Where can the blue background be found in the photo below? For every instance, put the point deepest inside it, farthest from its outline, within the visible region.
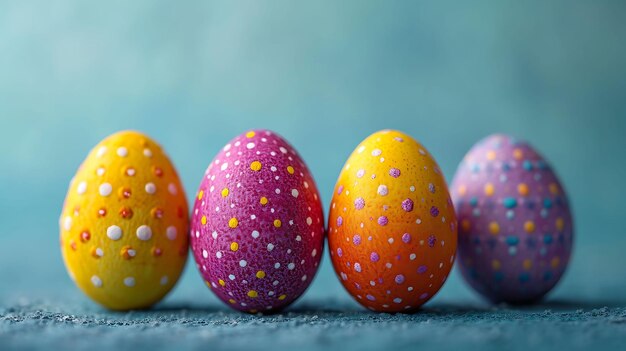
(325, 75)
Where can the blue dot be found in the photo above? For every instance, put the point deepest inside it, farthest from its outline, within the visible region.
(498, 276)
(475, 168)
(510, 214)
(547, 239)
(527, 165)
(547, 275)
(474, 201)
(547, 203)
(512, 250)
(512, 240)
(509, 202)
(506, 167)
(524, 277)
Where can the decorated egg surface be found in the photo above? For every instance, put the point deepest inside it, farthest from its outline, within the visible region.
(515, 235)
(257, 227)
(392, 227)
(124, 223)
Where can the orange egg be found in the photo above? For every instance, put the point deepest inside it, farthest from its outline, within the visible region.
(392, 226)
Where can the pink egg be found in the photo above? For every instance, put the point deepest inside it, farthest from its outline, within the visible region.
(257, 228)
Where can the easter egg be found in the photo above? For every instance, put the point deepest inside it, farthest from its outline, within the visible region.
(392, 228)
(257, 227)
(124, 223)
(515, 235)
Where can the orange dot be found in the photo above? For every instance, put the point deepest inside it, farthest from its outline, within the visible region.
(277, 223)
(554, 189)
(527, 263)
(489, 189)
(495, 264)
(263, 200)
(494, 228)
(462, 190)
(203, 220)
(518, 154)
(231, 301)
(466, 225)
(560, 224)
(555, 262)
(529, 226)
(522, 189)
(290, 170)
(233, 223)
(255, 166)
(491, 155)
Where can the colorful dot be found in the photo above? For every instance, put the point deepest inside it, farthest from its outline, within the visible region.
(233, 223)
(260, 274)
(282, 297)
(263, 200)
(250, 134)
(290, 170)
(489, 189)
(255, 166)
(234, 246)
(225, 192)
(359, 203)
(522, 189)
(394, 172)
(494, 228)
(203, 220)
(252, 294)
(529, 226)
(277, 223)
(407, 205)
(382, 220)
(200, 194)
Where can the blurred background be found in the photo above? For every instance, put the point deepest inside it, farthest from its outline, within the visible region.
(325, 75)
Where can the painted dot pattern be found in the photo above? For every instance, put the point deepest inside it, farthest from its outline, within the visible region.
(392, 227)
(259, 247)
(516, 229)
(119, 218)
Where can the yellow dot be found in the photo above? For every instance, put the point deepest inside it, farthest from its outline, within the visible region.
(522, 189)
(200, 194)
(462, 190)
(250, 134)
(222, 283)
(253, 293)
(527, 263)
(554, 189)
(260, 274)
(282, 297)
(489, 189)
(232, 301)
(560, 224)
(277, 223)
(253, 311)
(495, 264)
(233, 223)
(203, 220)
(234, 246)
(208, 284)
(555, 262)
(494, 228)
(466, 225)
(263, 200)
(491, 155)
(290, 170)
(518, 154)
(255, 166)
(529, 226)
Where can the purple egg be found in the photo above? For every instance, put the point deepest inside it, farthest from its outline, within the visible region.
(257, 228)
(516, 232)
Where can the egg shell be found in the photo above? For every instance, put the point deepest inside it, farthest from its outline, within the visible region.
(124, 223)
(515, 235)
(392, 227)
(257, 227)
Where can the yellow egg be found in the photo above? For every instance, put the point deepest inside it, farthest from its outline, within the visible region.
(124, 223)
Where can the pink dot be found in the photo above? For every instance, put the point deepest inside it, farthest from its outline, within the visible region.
(394, 172)
(399, 279)
(382, 220)
(356, 239)
(339, 221)
(359, 203)
(407, 205)
(374, 257)
(406, 238)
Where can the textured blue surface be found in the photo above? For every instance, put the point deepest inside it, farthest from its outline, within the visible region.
(324, 75)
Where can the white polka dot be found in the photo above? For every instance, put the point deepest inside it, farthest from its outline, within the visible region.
(291, 266)
(276, 265)
(99, 252)
(101, 151)
(309, 221)
(376, 152)
(383, 190)
(218, 254)
(96, 281)
(412, 256)
(172, 189)
(100, 171)
(304, 277)
(129, 281)
(283, 150)
(243, 263)
(214, 235)
(81, 188)
(164, 280)
(255, 234)
(270, 247)
(105, 189)
(361, 149)
(273, 168)
(250, 146)
(224, 166)
(231, 276)
(205, 254)
(314, 252)
(122, 151)
(397, 300)
(144, 233)
(412, 188)
(114, 232)
(150, 188)
(67, 223)
(147, 152)
(171, 232)
(294, 193)
(227, 147)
